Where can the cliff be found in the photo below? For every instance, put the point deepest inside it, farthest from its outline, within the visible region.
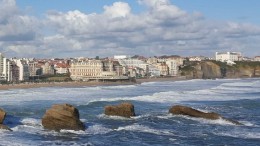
(214, 69)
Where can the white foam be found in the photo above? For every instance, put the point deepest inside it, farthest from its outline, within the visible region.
(31, 122)
(148, 83)
(119, 87)
(144, 129)
(249, 124)
(98, 129)
(142, 116)
(207, 121)
(243, 134)
(79, 132)
(103, 116)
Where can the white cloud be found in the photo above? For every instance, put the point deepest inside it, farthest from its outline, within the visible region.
(162, 28)
(154, 3)
(118, 9)
(14, 25)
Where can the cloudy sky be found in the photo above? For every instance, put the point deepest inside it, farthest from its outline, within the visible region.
(60, 28)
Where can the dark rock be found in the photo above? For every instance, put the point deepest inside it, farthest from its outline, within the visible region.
(63, 116)
(123, 110)
(2, 116)
(184, 110)
(4, 127)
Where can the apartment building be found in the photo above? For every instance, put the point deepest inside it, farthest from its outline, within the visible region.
(132, 63)
(173, 67)
(23, 66)
(5, 69)
(15, 72)
(163, 68)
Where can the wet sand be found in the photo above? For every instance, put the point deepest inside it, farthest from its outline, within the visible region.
(80, 84)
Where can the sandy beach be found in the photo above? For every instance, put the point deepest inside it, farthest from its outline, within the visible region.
(79, 84)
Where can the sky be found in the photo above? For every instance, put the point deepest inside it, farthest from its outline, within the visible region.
(87, 28)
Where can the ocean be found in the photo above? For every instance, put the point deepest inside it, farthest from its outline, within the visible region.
(237, 99)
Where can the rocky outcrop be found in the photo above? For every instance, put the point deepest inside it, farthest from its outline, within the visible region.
(63, 116)
(5, 127)
(123, 110)
(214, 69)
(2, 116)
(184, 110)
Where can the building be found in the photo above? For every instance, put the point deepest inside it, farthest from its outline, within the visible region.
(228, 56)
(95, 70)
(197, 58)
(163, 68)
(23, 66)
(152, 60)
(154, 71)
(48, 69)
(15, 72)
(257, 58)
(132, 63)
(5, 69)
(120, 57)
(61, 68)
(173, 66)
(32, 68)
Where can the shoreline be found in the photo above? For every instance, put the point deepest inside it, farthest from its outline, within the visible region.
(90, 84)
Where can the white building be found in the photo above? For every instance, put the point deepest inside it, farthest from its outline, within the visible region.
(120, 57)
(197, 58)
(228, 56)
(61, 68)
(133, 63)
(154, 71)
(5, 69)
(257, 58)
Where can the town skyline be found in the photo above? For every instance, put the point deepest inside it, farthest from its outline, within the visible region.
(37, 29)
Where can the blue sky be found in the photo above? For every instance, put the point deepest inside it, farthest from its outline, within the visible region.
(230, 10)
(73, 28)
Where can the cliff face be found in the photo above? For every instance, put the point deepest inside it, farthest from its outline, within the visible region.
(243, 71)
(240, 72)
(204, 70)
(212, 70)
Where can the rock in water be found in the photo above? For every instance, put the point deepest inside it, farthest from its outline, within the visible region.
(4, 127)
(2, 116)
(123, 110)
(63, 116)
(184, 110)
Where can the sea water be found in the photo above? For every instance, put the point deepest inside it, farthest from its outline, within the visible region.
(237, 99)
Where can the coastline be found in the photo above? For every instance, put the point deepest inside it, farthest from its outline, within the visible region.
(80, 84)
